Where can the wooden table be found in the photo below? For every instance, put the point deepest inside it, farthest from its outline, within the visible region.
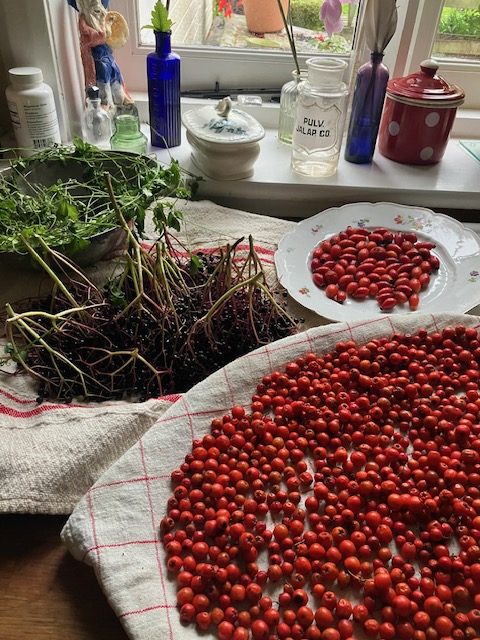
(44, 593)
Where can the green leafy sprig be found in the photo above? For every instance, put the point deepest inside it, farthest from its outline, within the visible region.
(67, 214)
(160, 20)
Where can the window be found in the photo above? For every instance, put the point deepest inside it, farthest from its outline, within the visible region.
(219, 48)
(218, 44)
(458, 32)
(448, 31)
(234, 24)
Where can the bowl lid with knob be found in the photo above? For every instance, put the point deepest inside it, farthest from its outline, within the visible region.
(224, 124)
(426, 86)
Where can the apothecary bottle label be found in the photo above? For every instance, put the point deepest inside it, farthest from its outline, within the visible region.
(316, 128)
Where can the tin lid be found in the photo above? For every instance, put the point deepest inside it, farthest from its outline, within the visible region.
(223, 124)
(425, 86)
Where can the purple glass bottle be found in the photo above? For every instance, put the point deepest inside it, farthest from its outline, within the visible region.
(367, 105)
(163, 74)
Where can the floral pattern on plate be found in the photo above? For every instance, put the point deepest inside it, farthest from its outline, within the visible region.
(362, 223)
(457, 248)
(418, 224)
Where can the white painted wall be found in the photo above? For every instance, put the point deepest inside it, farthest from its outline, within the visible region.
(31, 34)
(4, 117)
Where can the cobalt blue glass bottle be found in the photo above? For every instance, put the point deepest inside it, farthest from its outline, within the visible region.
(163, 74)
(367, 106)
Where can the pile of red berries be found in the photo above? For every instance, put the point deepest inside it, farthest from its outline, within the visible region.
(392, 267)
(357, 469)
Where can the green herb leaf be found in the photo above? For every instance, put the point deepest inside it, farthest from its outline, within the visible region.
(160, 19)
(116, 295)
(66, 214)
(195, 264)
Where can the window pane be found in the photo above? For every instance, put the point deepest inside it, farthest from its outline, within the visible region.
(458, 33)
(239, 24)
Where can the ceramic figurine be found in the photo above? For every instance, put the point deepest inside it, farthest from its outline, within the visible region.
(101, 31)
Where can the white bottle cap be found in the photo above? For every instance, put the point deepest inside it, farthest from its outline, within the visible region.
(325, 72)
(22, 76)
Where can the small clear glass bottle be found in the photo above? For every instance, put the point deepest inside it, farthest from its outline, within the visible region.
(97, 126)
(288, 102)
(127, 136)
(320, 118)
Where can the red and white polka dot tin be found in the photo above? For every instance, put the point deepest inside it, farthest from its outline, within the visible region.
(418, 116)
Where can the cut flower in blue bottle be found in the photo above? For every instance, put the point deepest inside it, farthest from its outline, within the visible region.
(371, 83)
(163, 74)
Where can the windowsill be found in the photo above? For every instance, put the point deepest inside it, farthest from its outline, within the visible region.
(453, 184)
(274, 189)
(466, 124)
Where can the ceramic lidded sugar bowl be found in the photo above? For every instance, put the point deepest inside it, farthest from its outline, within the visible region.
(224, 140)
(418, 116)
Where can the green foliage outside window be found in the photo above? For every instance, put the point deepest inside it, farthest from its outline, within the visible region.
(306, 14)
(462, 22)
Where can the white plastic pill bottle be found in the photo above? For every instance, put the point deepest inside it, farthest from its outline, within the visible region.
(32, 110)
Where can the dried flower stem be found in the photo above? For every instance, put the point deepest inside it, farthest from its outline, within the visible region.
(287, 23)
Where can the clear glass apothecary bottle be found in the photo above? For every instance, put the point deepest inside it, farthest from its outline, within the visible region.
(320, 118)
(288, 103)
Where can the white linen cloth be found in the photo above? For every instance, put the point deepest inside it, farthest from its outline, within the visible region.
(115, 526)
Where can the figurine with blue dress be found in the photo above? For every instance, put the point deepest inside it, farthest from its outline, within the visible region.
(101, 31)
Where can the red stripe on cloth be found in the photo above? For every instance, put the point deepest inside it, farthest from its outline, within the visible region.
(131, 481)
(188, 415)
(10, 396)
(42, 408)
(308, 339)
(209, 250)
(242, 247)
(154, 528)
(170, 398)
(147, 609)
(231, 392)
(191, 414)
(114, 545)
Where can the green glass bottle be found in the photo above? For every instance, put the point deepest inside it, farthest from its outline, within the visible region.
(127, 136)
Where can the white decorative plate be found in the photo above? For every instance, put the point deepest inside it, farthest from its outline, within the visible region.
(455, 288)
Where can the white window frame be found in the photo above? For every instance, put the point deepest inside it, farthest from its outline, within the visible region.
(205, 66)
(419, 29)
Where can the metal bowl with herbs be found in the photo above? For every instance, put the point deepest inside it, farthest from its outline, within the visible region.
(60, 195)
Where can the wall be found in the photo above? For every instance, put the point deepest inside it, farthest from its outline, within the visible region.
(4, 117)
(31, 32)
